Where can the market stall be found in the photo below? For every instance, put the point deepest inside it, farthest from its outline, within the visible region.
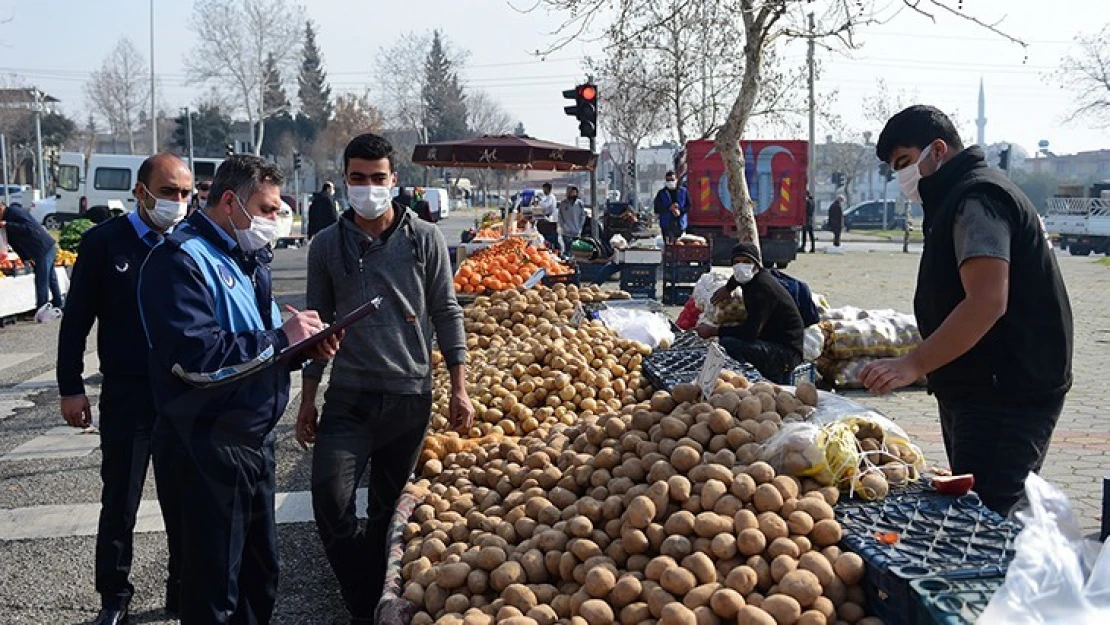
(17, 285)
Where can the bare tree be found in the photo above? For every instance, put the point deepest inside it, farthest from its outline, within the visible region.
(760, 26)
(354, 115)
(1086, 73)
(402, 78)
(120, 90)
(236, 39)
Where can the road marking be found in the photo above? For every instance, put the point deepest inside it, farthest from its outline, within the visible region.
(15, 397)
(61, 521)
(56, 443)
(8, 361)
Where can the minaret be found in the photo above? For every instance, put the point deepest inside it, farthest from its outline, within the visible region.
(982, 121)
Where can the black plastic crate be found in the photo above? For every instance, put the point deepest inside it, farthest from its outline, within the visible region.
(685, 272)
(639, 277)
(952, 601)
(938, 536)
(676, 295)
(667, 368)
(689, 340)
(641, 292)
(567, 278)
(589, 272)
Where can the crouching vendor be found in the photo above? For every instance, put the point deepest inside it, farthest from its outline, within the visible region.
(771, 338)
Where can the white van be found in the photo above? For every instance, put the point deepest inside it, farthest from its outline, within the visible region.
(104, 180)
(438, 201)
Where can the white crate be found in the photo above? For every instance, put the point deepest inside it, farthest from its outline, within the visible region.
(637, 256)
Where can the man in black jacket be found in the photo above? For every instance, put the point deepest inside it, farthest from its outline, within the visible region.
(322, 211)
(771, 338)
(104, 290)
(990, 303)
(811, 209)
(34, 244)
(836, 219)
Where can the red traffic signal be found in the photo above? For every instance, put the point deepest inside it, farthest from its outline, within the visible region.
(587, 92)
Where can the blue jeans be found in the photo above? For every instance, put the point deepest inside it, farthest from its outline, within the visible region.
(46, 279)
(567, 240)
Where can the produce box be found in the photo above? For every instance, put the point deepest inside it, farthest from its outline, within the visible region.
(925, 535)
(589, 272)
(639, 279)
(689, 340)
(685, 273)
(668, 368)
(688, 253)
(566, 278)
(676, 295)
(639, 256)
(952, 601)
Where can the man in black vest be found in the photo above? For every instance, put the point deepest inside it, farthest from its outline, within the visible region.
(990, 303)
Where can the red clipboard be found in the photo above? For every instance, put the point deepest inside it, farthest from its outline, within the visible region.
(355, 315)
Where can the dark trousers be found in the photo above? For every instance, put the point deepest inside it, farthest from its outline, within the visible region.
(607, 272)
(567, 241)
(229, 553)
(808, 230)
(126, 421)
(169, 462)
(46, 281)
(999, 443)
(774, 361)
(836, 237)
(359, 429)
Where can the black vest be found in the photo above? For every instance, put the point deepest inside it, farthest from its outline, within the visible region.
(1027, 354)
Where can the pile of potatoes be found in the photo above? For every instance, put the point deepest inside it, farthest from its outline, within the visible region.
(530, 368)
(645, 515)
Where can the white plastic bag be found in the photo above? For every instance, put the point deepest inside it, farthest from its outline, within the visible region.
(618, 242)
(1055, 576)
(813, 343)
(638, 325)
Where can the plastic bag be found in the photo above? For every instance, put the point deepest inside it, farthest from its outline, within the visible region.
(870, 334)
(813, 343)
(688, 318)
(731, 312)
(1055, 576)
(827, 454)
(638, 325)
(618, 242)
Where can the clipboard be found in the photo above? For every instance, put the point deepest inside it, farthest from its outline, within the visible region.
(350, 319)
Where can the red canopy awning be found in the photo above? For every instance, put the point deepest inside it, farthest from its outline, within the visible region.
(504, 152)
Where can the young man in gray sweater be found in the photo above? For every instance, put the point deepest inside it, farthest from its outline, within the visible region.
(379, 399)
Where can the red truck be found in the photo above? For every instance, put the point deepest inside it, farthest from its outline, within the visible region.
(776, 173)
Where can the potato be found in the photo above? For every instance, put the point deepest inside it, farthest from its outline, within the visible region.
(744, 519)
(752, 615)
(872, 486)
(701, 566)
(819, 565)
(825, 606)
(782, 565)
(596, 612)
(799, 523)
(751, 542)
(767, 498)
(686, 392)
(772, 526)
(520, 597)
(784, 609)
(726, 603)
(640, 513)
(787, 485)
(711, 492)
(506, 574)
(895, 473)
(600, 581)
(657, 566)
(761, 472)
(662, 402)
(816, 507)
(811, 617)
(678, 581)
(723, 546)
(807, 394)
(742, 579)
(802, 585)
(709, 524)
(825, 533)
(849, 567)
(679, 488)
(451, 576)
(625, 591)
(743, 487)
(635, 613)
(850, 612)
(700, 595)
(684, 458)
(680, 523)
(782, 547)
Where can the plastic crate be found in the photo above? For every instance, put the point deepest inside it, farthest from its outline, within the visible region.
(688, 253)
(952, 601)
(938, 536)
(690, 340)
(641, 292)
(635, 276)
(567, 278)
(667, 368)
(589, 272)
(685, 273)
(676, 295)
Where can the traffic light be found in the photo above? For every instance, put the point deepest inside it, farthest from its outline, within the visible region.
(584, 109)
(885, 172)
(631, 169)
(230, 149)
(837, 179)
(296, 160)
(1004, 158)
(180, 137)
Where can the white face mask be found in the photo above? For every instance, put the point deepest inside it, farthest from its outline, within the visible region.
(166, 213)
(262, 231)
(910, 175)
(672, 184)
(369, 201)
(743, 272)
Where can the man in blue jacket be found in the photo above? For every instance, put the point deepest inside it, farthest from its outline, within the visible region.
(672, 205)
(34, 244)
(215, 333)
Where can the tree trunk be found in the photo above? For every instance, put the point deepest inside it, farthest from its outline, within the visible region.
(259, 136)
(728, 139)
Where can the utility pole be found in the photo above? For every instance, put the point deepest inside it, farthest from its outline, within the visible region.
(189, 140)
(595, 221)
(37, 112)
(4, 164)
(153, 100)
(811, 182)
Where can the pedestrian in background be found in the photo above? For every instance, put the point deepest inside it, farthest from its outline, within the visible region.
(200, 198)
(422, 207)
(672, 205)
(34, 244)
(323, 211)
(990, 303)
(836, 219)
(379, 398)
(545, 215)
(104, 290)
(206, 302)
(572, 218)
(811, 210)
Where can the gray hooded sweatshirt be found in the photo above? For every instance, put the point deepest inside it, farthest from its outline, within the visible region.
(388, 351)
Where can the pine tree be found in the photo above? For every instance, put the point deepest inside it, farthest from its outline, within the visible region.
(274, 101)
(313, 89)
(444, 100)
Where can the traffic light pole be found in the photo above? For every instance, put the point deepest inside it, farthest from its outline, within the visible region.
(189, 140)
(595, 223)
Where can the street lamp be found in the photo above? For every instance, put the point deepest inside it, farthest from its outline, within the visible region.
(153, 100)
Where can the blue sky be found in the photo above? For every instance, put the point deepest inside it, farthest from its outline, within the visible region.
(55, 44)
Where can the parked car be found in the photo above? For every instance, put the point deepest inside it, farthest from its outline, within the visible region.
(869, 216)
(18, 195)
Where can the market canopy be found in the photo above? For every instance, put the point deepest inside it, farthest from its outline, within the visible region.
(504, 152)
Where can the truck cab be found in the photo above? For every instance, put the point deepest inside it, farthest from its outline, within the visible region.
(1081, 218)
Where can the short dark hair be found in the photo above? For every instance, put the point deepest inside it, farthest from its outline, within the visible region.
(243, 174)
(368, 147)
(546, 185)
(669, 173)
(204, 186)
(147, 166)
(916, 127)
